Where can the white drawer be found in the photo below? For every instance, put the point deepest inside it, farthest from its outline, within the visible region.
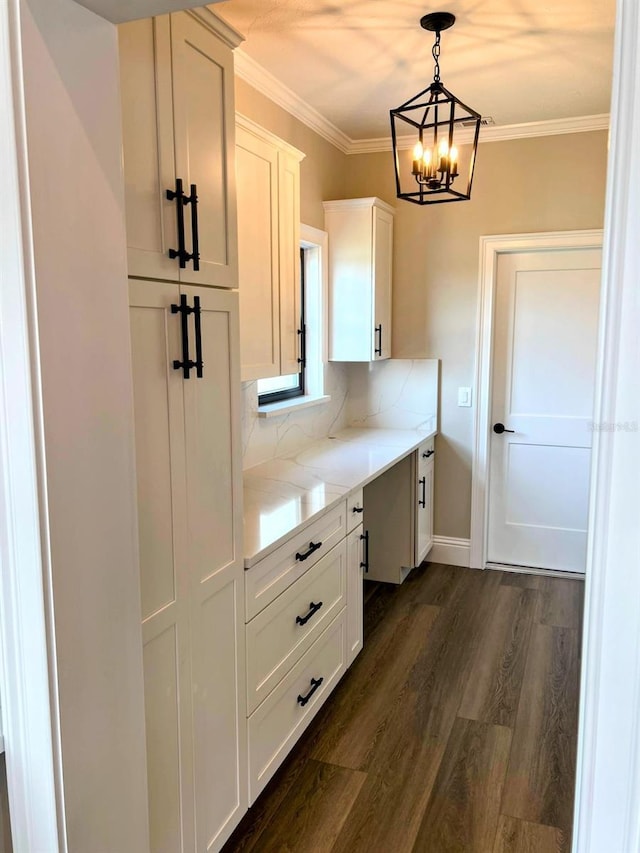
(354, 510)
(278, 723)
(283, 631)
(272, 575)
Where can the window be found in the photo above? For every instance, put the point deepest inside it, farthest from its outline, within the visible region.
(278, 388)
(306, 388)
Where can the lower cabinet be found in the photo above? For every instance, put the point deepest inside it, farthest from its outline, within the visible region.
(424, 510)
(304, 629)
(357, 550)
(191, 572)
(398, 513)
(278, 723)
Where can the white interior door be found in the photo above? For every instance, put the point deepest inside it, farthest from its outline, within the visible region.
(545, 336)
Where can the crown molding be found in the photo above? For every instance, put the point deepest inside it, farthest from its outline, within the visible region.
(229, 35)
(260, 132)
(257, 76)
(497, 133)
(253, 73)
(358, 204)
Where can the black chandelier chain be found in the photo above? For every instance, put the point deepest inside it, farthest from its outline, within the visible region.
(436, 58)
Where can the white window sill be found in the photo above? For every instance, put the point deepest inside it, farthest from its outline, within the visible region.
(272, 410)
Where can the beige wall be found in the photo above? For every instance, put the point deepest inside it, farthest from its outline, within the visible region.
(322, 173)
(548, 183)
(542, 184)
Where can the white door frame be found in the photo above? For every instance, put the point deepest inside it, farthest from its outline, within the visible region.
(607, 803)
(491, 247)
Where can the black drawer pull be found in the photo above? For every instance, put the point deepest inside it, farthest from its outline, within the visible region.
(315, 683)
(195, 240)
(428, 454)
(179, 197)
(423, 483)
(358, 509)
(313, 608)
(313, 546)
(377, 350)
(365, 563)
(184, 310)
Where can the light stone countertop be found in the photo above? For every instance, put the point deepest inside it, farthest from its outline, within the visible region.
(282, 495)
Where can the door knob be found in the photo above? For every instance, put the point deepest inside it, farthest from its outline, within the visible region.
(500, 428)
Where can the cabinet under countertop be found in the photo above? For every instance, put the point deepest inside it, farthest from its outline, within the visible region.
(283, 495)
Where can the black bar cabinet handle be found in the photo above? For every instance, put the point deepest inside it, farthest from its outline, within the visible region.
(378, 349)
(315, 683)
(313, 546)
(365, 563)
(423, 483)
(183, 309)
(358, 509)
(428, 454)
(302, 361)
(313, 608)
(195, 239)
(500, 428)
(197, 311)
(178, 196)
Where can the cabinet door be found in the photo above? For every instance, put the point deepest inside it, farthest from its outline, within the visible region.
(164, 582)
(215, 569)
(383, 260)
(147, 138)
(424, 502)
(351, 332)
(355, 577)
(257, 183)
(204, 135)
(289, 253)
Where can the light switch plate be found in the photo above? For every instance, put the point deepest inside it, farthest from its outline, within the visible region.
(464, 397)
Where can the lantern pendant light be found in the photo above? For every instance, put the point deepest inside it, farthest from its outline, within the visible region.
(438, 168)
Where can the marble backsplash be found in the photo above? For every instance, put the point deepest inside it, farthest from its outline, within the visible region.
(283, 435)
(397, 393)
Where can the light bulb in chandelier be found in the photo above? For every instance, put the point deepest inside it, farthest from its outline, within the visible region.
(445, 160)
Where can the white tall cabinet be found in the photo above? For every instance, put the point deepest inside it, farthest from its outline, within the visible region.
(268, 188)
(360, 271)
(178, 125)
(192, 575)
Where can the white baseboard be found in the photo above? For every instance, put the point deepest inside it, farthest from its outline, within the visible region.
(531, 570)
(451, 551)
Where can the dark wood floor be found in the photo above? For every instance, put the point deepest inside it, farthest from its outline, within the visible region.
(454, 730)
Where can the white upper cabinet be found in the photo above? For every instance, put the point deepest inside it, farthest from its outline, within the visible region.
(268, 197)
(178, 139)
(360, 265)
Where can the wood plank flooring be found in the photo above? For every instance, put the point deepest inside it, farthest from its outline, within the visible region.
(453, 732)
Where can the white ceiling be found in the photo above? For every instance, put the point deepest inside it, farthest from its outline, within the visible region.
(353, 60)
(118, 11)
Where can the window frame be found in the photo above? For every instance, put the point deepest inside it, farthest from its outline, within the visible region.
(300, 389)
